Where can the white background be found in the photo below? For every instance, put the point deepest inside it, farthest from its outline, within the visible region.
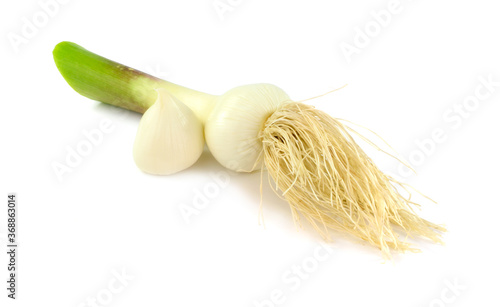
(106, 216)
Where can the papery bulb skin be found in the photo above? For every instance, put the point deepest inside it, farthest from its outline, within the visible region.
(233, 127)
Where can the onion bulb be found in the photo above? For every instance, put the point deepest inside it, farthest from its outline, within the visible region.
(313, 160)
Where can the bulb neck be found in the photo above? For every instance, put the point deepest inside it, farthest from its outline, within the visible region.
(200, 103)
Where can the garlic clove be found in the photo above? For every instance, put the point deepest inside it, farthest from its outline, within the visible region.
(169, 138)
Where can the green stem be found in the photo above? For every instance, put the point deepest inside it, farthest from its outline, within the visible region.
(100, 79)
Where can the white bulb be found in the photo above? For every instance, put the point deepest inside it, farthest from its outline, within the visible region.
(232, 128)
(169, 138)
